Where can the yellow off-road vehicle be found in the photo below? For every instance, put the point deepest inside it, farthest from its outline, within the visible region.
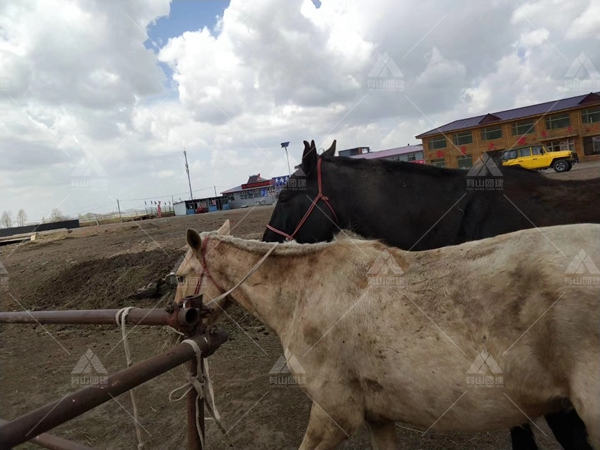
(537, 157)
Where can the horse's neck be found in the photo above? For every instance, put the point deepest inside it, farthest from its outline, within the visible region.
(359, 203)
(228, 264)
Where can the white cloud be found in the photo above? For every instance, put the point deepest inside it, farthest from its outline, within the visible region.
(535, 38)
(440, 71)
(587, 25)
(77, 80)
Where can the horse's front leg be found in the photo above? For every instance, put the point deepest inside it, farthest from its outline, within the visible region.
(327, 429)
(383, 435)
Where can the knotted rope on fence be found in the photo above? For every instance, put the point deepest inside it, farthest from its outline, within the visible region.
(121, 319)
(202, 384)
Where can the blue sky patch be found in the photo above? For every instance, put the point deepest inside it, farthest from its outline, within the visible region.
(184, 15)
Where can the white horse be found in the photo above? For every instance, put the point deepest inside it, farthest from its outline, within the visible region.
(472, 338)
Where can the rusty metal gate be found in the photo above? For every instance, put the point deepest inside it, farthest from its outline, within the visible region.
(185, 317)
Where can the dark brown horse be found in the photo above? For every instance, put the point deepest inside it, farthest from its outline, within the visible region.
(417, 207)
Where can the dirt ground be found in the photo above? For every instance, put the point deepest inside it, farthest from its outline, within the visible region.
(101, 267)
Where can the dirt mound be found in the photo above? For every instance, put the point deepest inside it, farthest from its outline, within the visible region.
(104, 283)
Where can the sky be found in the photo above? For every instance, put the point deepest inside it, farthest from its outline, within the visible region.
(98, 99)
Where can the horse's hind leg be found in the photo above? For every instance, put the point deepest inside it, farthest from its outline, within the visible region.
(585, 396)
(522, 438)
(327, 429)
(569, 430)
(383, 435)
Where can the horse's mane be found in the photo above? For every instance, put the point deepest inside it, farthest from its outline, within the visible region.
(399, 166)
(426, 169)
(284, 249)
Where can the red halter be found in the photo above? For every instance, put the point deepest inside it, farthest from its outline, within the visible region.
(205, 271)
(319, 196)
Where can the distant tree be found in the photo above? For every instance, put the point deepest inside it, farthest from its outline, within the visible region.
(6, 219)
(21, 217)
(57, 216)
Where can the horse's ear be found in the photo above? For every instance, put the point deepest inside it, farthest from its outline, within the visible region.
(309, 158)
(225, 229)
(330, 151)
(193, 239)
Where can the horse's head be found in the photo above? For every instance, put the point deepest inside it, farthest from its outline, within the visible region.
(295, 200)
(193, 280)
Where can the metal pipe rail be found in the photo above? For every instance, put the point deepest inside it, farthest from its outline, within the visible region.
(54, 442)
(137, 316)
(56, 413)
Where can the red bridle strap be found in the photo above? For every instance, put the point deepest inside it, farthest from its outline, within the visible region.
(205, 270)
(313, 205)
(225, 293)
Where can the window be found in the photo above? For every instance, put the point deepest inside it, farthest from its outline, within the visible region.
(523, 127)
(558, 121)
(437, 143)
(509, 154)
(489, 133)
(407, 157)
(466, 137)
(439, 162)
(591, 145)
(525, 152)
(230, 197)
(537, 150)
(591, 115)
(556, 146)
(464, 162)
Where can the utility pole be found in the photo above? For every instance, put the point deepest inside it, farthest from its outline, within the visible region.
(119, 208)
(215, 191)
(187, 169)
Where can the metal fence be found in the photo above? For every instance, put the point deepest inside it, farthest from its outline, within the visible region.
(149, 212)
(70, 224)
(186, 317)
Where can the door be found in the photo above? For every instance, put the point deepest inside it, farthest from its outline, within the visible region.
(541, 158)
(525, 158)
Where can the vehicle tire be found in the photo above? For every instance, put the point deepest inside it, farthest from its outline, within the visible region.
(561, 165)
(570, 166)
